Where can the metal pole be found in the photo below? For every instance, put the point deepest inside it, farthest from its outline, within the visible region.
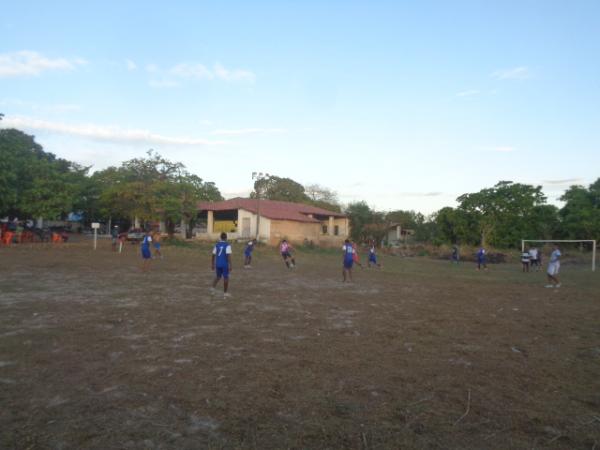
(522, 245)
(593, 256)
(95, 237)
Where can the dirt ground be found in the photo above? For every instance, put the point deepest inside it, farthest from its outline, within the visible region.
(95, 354)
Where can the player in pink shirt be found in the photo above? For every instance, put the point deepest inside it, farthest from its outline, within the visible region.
(285, 249)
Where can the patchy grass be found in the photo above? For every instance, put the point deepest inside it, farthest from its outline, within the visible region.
(421, 354)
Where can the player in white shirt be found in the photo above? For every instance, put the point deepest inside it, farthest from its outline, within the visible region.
(554, 268)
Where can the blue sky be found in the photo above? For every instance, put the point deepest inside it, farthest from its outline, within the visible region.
(405, 105)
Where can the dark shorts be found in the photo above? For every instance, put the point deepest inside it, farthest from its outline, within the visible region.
(285, 255)
(372, 258)
(348, 263)
(222, 272)
(247, 254)
(146, 254)
(157, 245)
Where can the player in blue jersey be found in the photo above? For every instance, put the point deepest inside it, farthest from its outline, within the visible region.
(373, 255)
(146, 252)
(248, 254)
(349, 251)
(221, 263)
(481, 257)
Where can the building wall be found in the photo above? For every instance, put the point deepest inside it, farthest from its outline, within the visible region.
(295, 232)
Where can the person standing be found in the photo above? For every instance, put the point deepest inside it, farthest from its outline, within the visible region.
(525, 260)
(146, 252)
(554, 268)
(221, 264)
(481, 257)
(348, 261)
(156, 241)
(248, 254)
(534, 256)
(455, 254)
(373, 256)
(114, 234)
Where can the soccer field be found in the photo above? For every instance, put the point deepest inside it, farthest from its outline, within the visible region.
(420, 354)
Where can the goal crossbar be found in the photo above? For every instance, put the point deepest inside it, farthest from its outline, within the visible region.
(593, 241)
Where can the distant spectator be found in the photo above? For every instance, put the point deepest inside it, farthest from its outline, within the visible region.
(481, 259)
(114, 233)
(534, 258)
(525, 260)
(455, 254)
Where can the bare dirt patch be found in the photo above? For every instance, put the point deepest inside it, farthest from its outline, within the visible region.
(422, 354)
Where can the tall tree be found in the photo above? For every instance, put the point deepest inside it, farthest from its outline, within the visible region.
(581, 213)
(504, 213)
(273, 187)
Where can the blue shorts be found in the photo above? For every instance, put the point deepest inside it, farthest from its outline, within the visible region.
(373, 258)
(222, 272)
(146, 254)
(157, 245)
(247, 254)
(348, 263)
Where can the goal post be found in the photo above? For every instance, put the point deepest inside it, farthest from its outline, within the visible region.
(593, 241)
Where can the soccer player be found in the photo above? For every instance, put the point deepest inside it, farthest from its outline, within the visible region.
(221, 264)
(525, 260)
(285, 249)
(481, 255)
(355, 257)
(156, 240)
(114, 233)
(146, 253)
(373, 255)
(455, 254)
(534, 253)
(349, 251)
(248, 254)
(554, 268)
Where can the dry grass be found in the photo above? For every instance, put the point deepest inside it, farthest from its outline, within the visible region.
(422, 354)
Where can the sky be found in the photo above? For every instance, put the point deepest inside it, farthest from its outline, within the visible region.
(402, 104)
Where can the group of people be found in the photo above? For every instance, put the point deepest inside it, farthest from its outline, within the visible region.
(221, 259)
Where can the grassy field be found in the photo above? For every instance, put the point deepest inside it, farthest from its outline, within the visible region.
(95, 354)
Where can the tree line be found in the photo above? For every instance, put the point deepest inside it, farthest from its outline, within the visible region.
(35, 183)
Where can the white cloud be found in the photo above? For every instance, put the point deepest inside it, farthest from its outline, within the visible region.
(130, 64)
(160, 84)
(243, 131)
(566, 181)
(28, 63)
(515, 73)
(233, 75)
(103, 132)
(467, 93)
(197, 71)
(219, 72)
(151, 68)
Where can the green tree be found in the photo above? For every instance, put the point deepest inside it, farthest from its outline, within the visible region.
(581, 213)
(276, 188)
(503, 214)
(34, 183)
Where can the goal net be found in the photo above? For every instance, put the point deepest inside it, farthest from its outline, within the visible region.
(564, 243)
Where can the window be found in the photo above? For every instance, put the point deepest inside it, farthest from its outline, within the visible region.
(324, 227)
(336, 230)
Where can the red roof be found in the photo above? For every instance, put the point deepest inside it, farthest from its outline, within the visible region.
(271, 209)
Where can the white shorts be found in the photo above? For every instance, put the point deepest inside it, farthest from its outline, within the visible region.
(553, 268)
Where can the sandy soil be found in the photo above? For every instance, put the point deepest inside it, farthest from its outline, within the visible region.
(95, 354)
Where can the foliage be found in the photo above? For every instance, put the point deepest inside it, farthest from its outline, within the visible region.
(34, 183)
(502, 215)
(581, 213)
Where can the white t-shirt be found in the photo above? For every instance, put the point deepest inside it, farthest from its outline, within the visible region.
(533, 253)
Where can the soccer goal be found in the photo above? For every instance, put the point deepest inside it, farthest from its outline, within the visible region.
(552, 241)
